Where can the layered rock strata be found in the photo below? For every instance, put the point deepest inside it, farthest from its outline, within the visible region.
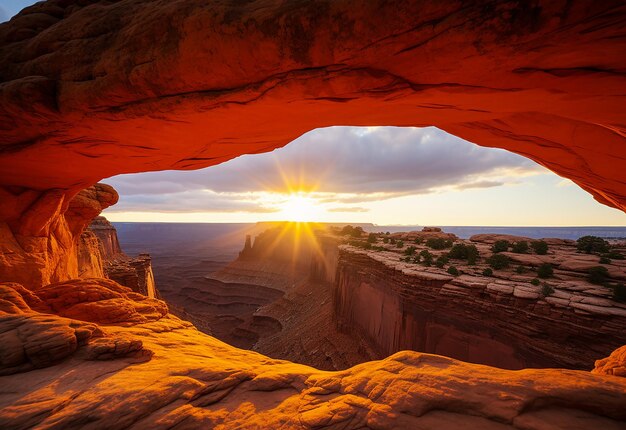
(501, 320)
(162, 373)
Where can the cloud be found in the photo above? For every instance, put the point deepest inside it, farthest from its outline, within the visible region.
(347, 209)
(346, 165)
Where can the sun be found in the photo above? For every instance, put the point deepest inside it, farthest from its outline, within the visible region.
(301, 208)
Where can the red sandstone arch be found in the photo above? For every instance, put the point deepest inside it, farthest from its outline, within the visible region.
(114, 87)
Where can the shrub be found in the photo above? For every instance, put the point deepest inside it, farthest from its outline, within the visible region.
(399, 244)
(498, 261)
(385, 240)
(417, 259)
(545, 270)
(419, 241)
(410, 250)
(392, 240)
(500, 246)
(427, 257)
(441, 261)
(614, 255)
(592, 244)
(372, 238)
(535, 282)
(487, 272)
(461, 251)
(597, 275)
(453, 271)
(605, 260)
(619, 293)
(546, 290)
(540, 247)
(520, 269)
(520, 247)
(438, 243)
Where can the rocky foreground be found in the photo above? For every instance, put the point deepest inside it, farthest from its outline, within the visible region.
(93, 354)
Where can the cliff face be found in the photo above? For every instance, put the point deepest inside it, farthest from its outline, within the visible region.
(107, 235)
(90, 259)
(41, 230)
(156, 371)
(504, 323)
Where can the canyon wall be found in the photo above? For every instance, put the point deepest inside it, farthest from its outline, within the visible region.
(473, 319)
(40, 233)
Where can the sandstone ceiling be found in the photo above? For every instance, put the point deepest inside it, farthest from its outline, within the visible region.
(94, 88)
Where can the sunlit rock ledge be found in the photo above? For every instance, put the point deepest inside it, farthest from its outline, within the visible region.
(165, 374)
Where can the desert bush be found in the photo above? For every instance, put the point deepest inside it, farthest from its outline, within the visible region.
(385, 240)
(605, 260)
(399, 244)
(453, 271)
(419, 241)
(500, 246)
(540, 247)
(410, 250)
(619, 293)
(597, 275)
(487, 272)
(546, 290)
(392, 240)
(614, 255)
(498, 261)
(520, 247)
(427, 257)
(438, 243)
(545, 271)
(520, 269)
(442, 260)
(461, 251)
(592, 244)
(372, 238)
(535, 282)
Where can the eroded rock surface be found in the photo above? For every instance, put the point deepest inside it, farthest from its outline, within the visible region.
(179, 377)
(165, 85)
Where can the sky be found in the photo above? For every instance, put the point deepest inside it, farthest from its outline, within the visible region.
(382, 175)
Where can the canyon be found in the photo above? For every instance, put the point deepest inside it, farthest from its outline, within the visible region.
(96, 88)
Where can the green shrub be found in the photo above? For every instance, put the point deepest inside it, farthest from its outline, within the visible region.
(592, 244)
(520, 269)
(442, 260)
(385, 240)
(392, 240)
(461, 251)
(540, 247)
(520, 247)
(372, 238)
(614, 255)
(427, 257)
(500, 246)
(453, 271)
(410, 250)
(597, 275)
(498, 261)
(419, 241)
(417, 259)
(487, 272)
(619, 293)
(347, 230)
(438, 243)
(535, 282)
(546, 290)
(399, 244)
(605, 260)
(545, 271)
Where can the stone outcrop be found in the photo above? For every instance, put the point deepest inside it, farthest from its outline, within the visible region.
(107, 234)
(35, 331)
(40, 231)
(501, 320)
(179, 377)
(614, 364)
(543, 79)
